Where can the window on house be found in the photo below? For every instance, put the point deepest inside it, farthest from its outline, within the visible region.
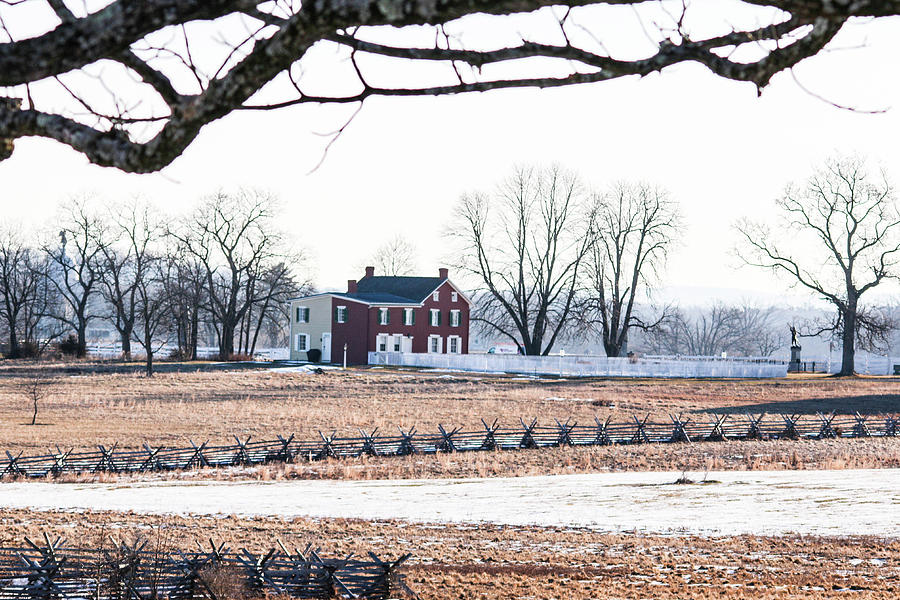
(436, 296)
(381, 343)
(302, 342)
(409, 316)
(434, 344)
(454, 296)
(341, 313)
(302, 314)
(435, 320)
(454, 343)
(384, 316)
(397, 341)
(454, 318)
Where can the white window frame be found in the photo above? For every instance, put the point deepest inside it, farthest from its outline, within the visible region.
(440, 344)
(454, 296)
(436, 296)
(450, 340)
(434, 317)
(455, 318)
(305, 338)
(396, 343)
(408, 316)
(383, 316)
(341, 314)
(382, 339)
(302, 314)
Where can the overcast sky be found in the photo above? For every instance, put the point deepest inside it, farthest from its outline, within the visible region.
(402, 164)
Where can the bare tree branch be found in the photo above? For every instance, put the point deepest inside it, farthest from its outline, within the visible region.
(131, 33)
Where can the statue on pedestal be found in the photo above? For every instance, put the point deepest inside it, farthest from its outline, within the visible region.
(794, 364)
(795, 337)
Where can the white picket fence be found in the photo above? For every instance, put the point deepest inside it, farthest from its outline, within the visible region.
(114, 350)
(583, 366)
(865, 363)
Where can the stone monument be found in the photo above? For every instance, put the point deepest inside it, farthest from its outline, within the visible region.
(794, 364)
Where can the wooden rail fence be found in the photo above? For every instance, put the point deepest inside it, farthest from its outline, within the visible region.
(492, 436)
(139, 572)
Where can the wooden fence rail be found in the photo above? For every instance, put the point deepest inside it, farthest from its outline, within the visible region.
(139, 572)
(492, 436)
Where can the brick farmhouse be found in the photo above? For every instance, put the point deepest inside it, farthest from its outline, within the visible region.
(382, 313)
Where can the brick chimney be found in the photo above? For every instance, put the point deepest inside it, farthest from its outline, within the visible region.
(370, 271)
(351, 286)
(443, 273)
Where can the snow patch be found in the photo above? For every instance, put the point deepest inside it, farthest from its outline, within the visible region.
(310, 368)
(849, 502)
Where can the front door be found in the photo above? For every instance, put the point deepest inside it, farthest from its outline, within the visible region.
(326, 347)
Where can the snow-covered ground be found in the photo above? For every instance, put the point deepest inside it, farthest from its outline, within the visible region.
(851, 502)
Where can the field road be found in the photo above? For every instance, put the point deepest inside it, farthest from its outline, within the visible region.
(843, 502)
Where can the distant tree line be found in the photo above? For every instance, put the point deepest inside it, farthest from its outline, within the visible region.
(223, 271)
(737, 330)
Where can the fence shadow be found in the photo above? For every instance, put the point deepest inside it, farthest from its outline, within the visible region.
(868, 404)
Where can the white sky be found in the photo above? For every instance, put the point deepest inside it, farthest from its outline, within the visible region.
(402, 164)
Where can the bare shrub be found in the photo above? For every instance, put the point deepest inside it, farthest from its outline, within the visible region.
(35, 388)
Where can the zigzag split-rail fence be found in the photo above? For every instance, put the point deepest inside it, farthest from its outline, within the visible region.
(140, 571)
(287, 449)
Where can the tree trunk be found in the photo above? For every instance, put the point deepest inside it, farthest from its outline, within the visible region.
(612, 348)
(126, 344)
(195, 332)
(848, 354)
(14, 351)
(259, 324)
(82, 340)
(226, 341)
(34, 416)
(148, 347)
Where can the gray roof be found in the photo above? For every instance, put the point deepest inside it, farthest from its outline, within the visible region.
(376, 298)
(403, 289)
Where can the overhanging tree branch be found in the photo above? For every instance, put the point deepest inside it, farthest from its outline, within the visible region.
(284, 33)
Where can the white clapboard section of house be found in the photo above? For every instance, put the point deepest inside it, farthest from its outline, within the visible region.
(585, 366)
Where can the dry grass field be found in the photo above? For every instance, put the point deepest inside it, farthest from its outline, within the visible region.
(102, 403)
(93, 403)
(488, 562)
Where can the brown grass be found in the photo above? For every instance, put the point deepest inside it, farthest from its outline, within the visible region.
(87, 408)
(492, 562)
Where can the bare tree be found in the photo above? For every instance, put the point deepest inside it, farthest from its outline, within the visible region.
(249, 44)
(635, 225)
(76, 266)
(35, 388)
(232, 238)
(126, 259)
(151, 302)
(710, 332)
(851, 218)
(758, 335)
(21, 286)
(396, 257)
(269, 297)
(526, 247)
(185, 292)
(741, 330)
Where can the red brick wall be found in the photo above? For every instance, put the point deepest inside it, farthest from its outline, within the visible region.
(422, 329)
(354, 333)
